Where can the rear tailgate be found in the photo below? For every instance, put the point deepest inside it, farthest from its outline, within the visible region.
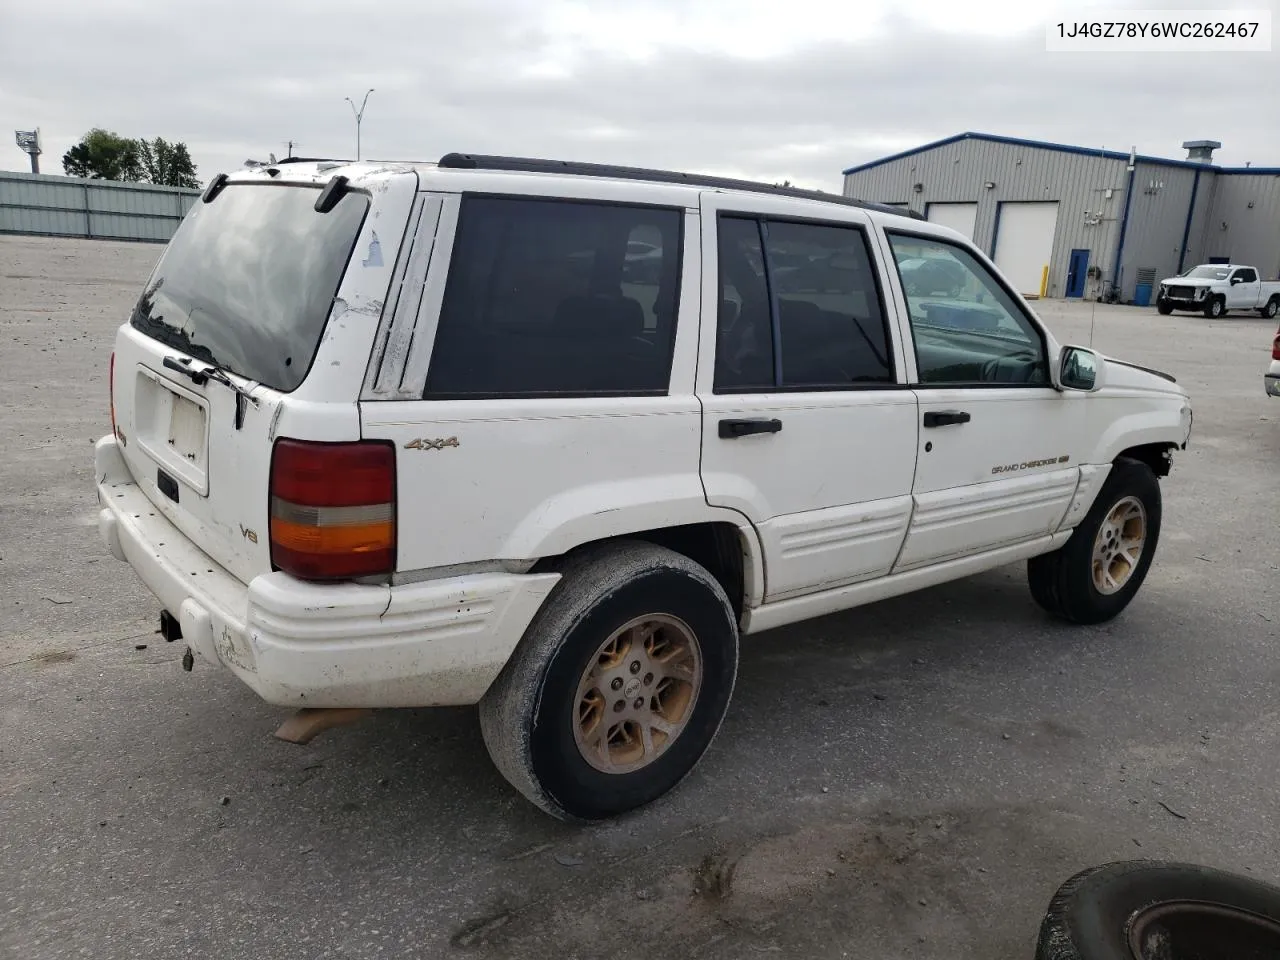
(252, 327)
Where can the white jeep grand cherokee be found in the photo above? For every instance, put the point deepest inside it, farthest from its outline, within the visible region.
(549, 437)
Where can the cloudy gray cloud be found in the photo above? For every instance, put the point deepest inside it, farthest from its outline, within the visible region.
(793, 90)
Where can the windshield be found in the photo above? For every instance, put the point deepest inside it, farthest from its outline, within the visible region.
(1210, 273)
(248, 280)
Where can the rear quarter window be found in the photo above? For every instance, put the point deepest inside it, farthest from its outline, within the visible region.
(558, 298)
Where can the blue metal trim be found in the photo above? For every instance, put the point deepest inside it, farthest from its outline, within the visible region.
(1058, 147)
(1240, 171)
(913, 151)
(1124, 226)
(1186, 230)
(775, 308)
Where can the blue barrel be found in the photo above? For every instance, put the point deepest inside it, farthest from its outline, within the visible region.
(1142, 295)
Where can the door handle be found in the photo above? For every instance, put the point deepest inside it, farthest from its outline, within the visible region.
(732, 429)
(943, 418)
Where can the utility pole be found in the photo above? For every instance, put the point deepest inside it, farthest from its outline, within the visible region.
(359, 115)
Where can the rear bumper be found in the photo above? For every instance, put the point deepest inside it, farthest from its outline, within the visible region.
(437, 643)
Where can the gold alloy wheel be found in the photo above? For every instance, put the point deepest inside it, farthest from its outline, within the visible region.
(1119, 545)
(637, 693)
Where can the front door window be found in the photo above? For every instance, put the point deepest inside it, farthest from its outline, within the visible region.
(966, 327)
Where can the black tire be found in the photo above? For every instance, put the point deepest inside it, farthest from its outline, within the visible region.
(1215, 307)
(1271, 309)
(1164, 308)
(1100, 913)
(1062, 581)
(527, 717)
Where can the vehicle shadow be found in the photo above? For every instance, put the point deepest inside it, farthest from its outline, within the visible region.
(893, 741)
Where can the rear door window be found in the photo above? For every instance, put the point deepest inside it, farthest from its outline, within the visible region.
(248, 280)
(558, 298)
(832, 324)
(744, 342)
(800, 308)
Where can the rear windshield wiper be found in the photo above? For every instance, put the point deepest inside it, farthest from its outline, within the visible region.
(217, 375)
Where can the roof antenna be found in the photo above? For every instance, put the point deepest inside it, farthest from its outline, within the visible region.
(1093, 307)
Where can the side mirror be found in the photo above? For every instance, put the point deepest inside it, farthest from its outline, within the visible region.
(1235, 280)
(1079, 368)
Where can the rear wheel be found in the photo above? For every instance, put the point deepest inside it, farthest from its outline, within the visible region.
(1092, 577)
(1215, 308)
(1161, 911)
(1164, 308)
(619, 685)
(1271, 309)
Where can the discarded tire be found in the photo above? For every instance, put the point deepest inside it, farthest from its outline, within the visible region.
(1145, 910)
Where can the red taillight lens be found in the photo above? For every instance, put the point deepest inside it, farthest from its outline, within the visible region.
(1275, 347)
(111, 387)
(333, 509)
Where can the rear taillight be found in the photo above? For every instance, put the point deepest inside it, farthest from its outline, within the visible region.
(1275, 347)
(333, 509)
(111, 387)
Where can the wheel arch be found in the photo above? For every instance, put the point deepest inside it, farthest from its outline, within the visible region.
(1158, 456)
(730, 552)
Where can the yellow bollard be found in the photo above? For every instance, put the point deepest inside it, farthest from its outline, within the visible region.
(1044, 281)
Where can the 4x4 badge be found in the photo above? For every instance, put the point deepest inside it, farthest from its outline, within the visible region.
(424, 444)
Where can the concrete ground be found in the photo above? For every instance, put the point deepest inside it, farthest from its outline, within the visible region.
(911, 779)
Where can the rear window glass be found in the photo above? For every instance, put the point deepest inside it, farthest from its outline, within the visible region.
(248, 280)
(555, 298)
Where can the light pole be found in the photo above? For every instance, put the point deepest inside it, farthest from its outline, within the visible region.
(29, 143)
(359, 116)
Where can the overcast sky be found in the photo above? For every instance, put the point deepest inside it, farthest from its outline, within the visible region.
(795, 89)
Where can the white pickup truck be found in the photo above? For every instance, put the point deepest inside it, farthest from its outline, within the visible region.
(1215, 288)
(548, 438)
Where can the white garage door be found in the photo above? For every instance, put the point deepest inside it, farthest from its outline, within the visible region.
(1024, 242)
(958, 216)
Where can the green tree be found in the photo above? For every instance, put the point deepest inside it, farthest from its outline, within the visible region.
(103, 155)
(168, 164)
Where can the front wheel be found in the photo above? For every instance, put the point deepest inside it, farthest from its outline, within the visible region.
(1164, 308)
(1092, 577)
(1215, 308)
(618, 686)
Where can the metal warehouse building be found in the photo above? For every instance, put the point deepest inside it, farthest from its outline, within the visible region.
(1064, 221)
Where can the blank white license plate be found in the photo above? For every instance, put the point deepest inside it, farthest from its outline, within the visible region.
(187, 429)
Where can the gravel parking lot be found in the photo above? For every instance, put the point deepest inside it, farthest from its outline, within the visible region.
(911, 779)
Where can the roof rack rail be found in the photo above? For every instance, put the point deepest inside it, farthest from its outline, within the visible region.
(305, 160)
(475, 161)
